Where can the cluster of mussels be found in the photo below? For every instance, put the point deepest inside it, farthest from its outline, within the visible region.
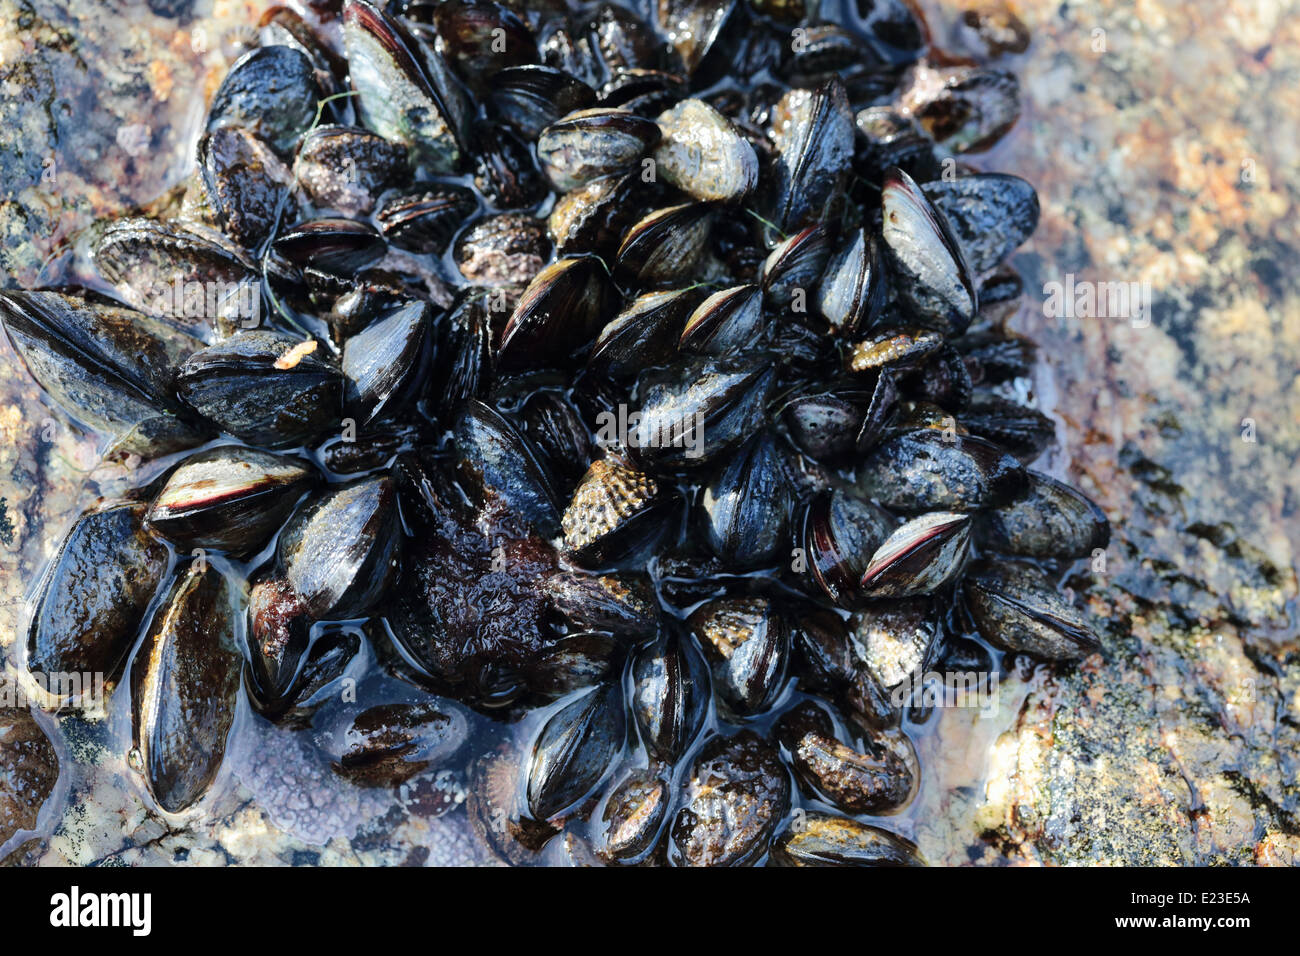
(634, 377)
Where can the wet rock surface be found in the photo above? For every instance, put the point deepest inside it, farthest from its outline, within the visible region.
(1177, 746)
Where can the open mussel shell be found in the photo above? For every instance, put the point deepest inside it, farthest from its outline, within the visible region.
(386, 362)
(424, 216)
(530, 98)
(840, 532)
(403, 95)
(561, 311)
(703, 155)
(644, 334)
(338, 247)
(481, 38)
(920, 557)
(230, 498)
(198, 280)
(1050, 520)
(244, 183)
(343, 168)
(1016, 607)
(666, 245)
(388, 744)
(272, 92)
(341, 550)
(634, 814)
(930, 470)
(184, 685)
(264, 387)
(93, 597)
(856, 781)
(747, 641)
(497, 461)
(747, 505)
(737, 795)
(617, 512)
(670, 695)
(893, 640)
(823, 839)
(991, 214)
(814, 144)
(793, 268)
(698, 409)
(110, 368)
(574, 751)
(594, 143)
(853, 287)
(503, 251)
(930, 271)
(727, 321)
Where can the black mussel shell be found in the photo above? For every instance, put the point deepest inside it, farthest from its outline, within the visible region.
(264, 387)
(1023, 431)
(894, 640)
(814, 146)
(462, 355)
(894, 348)
(92, 599)
(385, 363)
(184, 684)
(889, 138)
(595, 218)
(644, 92)
(747, 506)
(634, 814)
(747, 641)
(341, 550)
(622, 604)
(1016, 607)
(919, 557)
(856, 781)
(481, 38)
(991, 214)
(792, 270)
(840, 532)
(505, 250)
(929, 469)
(230, 498)
(704, 155)
(560, 435)
(530, 98)
(110, 368)
(670, 696)
(575, 661)
(199, 281)
(616, 512)
(404, 94)
(337, 247)
(497, 461)
(343, 168)
(574, 750)
(278, 637)
(727, 321)
(424, 216)
(969, 110)
(888, 27)
(270, 91)
(853, 287)
(698, 409)
(644, 334)
(594, 143)
(387, 745)
(692, 26)
(244, 182)
(737, 796)
(822, 839)
(930, 271)
(823, 424)
(558, 314)
(505, 171)
(1050, 520)
(666, 245)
